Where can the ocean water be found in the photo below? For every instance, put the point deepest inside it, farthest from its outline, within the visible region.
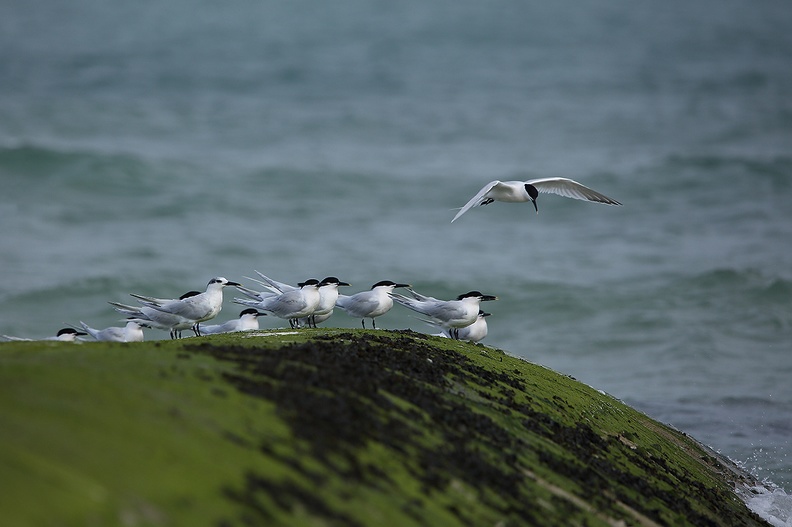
(147, 148)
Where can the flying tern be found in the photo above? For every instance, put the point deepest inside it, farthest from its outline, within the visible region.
(369, 304)
(199, 308)
(522, 191)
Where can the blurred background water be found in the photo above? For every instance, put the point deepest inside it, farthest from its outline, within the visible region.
(149, 147)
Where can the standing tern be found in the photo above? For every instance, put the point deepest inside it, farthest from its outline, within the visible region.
(370, 304)
(291, 305)
(199, 308)
(248, 320)
(328, 294)
(522, 191)
(132, 332)
(64, 335)
(174, 324)
(448, 314)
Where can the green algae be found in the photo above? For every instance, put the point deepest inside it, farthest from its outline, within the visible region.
(334, 427)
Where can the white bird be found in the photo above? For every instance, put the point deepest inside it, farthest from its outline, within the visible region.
(522, 191)
(199, 308)
(448, 314)
(174, 324)
(291, 305)
(472, 333)
(328, 294)
(132, 332)
(248, 320)
(370, 304)
(64, 335)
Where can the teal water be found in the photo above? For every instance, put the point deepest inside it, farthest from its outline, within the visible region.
(147, 148)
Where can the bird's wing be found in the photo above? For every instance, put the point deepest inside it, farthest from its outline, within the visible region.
(416, 305)
(570, 189)
(476, 200)
(362, 304)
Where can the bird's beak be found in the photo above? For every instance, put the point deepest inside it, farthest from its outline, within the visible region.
(488, 297)
(80, 333)
(234, 284)
(402, 285)
(535, 207)
(260, 314)
(485, 314)
(343, 283)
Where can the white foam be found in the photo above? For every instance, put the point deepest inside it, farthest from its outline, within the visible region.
(773, 504)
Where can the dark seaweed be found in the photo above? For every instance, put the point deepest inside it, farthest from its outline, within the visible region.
(338, 395)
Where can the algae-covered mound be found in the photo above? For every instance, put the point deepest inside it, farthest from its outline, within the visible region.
(347, 428)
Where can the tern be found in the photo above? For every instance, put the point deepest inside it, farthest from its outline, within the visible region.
(64, 335)
(328, 294)
(174, 324)
(291, 305)
(132, 332)
(370, 304)
(472, 333)
(447, 314)
(522, 191)
(248, 320)
(199, 308)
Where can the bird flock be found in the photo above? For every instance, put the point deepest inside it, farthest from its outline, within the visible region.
(312, 302)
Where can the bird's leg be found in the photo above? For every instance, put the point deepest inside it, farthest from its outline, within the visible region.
(363, 321)
(196, 330)
(373, 324)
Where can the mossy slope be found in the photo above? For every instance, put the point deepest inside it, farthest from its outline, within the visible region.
(329, 427)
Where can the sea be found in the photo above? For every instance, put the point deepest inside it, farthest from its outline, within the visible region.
(147, 147)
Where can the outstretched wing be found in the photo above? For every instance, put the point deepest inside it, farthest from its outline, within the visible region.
(570, 189)
(476, 200)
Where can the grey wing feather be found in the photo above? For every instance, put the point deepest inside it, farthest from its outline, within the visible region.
(570, 189)
(476, 200)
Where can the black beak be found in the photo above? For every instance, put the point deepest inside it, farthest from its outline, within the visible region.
(488, 297)
(343, 283)
(402, 285)
(484, 314)
(233, 283)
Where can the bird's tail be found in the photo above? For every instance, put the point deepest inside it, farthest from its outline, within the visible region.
(246, 302)
(126, 309)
